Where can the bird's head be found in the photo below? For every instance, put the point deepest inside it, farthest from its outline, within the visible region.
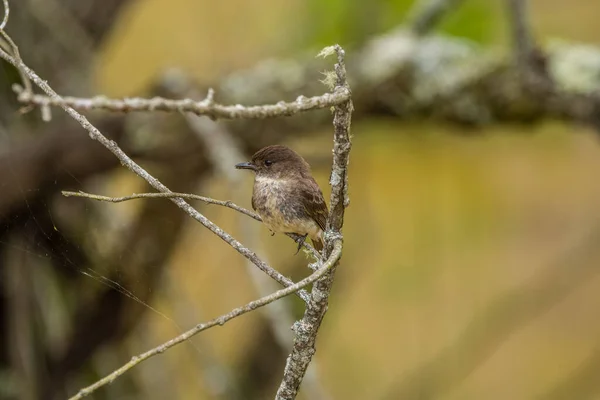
(276, 162)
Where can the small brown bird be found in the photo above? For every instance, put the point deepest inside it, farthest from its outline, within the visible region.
(285, 194)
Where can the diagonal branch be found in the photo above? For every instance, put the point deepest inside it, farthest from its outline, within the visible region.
(127, 162)
(335, 255)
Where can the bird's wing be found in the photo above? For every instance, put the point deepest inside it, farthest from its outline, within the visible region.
(314, 202)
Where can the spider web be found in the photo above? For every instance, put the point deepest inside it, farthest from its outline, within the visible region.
(38, 237)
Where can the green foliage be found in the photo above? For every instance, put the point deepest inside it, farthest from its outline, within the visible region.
(477, 20)
(351, 22)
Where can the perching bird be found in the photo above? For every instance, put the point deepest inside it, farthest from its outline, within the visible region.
(285, 194)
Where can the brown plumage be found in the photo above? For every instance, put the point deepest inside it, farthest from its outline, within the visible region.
(285, 194)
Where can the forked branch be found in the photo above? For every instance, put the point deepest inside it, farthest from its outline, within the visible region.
(322, 278)
(219, 321)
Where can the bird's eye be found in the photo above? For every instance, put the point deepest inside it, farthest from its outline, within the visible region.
(268, 163)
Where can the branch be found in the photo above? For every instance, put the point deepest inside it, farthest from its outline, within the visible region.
(521, 34)
(174, 195)
(448, 78)
(236, 312)
(171, 195)
(126, 161)
(306, 330)
(6, 14)
(205, 107)
(426, 14)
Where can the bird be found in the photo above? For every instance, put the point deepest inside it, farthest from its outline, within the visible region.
(286, 196)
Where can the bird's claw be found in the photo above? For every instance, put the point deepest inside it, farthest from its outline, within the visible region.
(300, 240)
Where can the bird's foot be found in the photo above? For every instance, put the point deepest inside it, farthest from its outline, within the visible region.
(300, 240)
(272, 233)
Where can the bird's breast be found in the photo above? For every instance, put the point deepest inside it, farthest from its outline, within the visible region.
(280, 207)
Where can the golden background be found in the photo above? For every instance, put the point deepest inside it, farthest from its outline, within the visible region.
(458, 247)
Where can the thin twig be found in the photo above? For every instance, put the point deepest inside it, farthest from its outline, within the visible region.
(12, 47)
(126, 161)
(6, 14)
(205, 107)
(236, 312)
(426, 14)
(306, 329)
(171, 195)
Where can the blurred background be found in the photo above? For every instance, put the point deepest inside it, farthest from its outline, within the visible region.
(472, 242)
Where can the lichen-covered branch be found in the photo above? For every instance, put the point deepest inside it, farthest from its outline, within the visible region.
(307, 328)
(406, 76)
(206, 107)
(335, 255)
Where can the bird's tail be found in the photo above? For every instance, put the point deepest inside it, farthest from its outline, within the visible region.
(317, 244)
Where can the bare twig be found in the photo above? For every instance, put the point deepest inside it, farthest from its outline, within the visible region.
(306, 329)
(11, 47)
(236, 312)
(205, 107)
(171, 195)
(126, 161)
(6, 14)
(174, 195)
(426, 14)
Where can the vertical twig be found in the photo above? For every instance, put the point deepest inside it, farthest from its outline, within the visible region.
(306, 329)
(224, 153)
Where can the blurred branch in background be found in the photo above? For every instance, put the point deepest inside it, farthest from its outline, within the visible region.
(582, 383)
(426, 14)
(523, 42)
(397, 74)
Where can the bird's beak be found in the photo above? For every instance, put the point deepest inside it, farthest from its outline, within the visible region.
(246, 165)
